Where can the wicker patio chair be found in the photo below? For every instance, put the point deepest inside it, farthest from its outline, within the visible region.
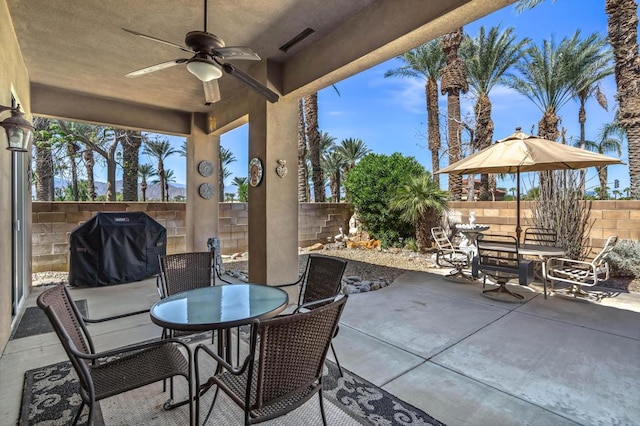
(112, 372)
(578, 273)
(284, 366)
(322, 279)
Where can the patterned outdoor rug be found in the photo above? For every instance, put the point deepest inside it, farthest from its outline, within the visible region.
(50, 397)
(34, 321)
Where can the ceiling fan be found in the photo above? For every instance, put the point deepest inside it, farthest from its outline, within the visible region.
(207, 64)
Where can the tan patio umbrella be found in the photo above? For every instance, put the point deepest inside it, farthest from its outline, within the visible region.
(520, 152)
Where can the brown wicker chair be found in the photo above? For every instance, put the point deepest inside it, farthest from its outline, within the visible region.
(286, 369)
(108, 373)
(322, 279)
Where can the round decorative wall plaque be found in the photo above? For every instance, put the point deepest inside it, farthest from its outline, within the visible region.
(205, 168)
(255, 172)
(206, 191)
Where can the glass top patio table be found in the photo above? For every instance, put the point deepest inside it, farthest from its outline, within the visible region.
(218, 307)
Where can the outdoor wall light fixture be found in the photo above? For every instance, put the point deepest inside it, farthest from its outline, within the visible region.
(18, 129)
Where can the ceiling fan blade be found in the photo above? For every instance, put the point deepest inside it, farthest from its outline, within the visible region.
(251, 82)
(236, 53)
(168, 43)
(156, 67)
(211, 91)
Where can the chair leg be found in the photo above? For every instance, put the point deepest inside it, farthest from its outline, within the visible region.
(215, 396)
(77, 417)
(336, 358)
(324, 416)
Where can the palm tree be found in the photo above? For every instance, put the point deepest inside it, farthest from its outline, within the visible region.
(130, 140)
(609, 140)
(226, 158)
(623, 36)
(622, 16)
(426, 62)
(303, 171)
(545, 79)
(422, 202)
(169, 177)
(592, 63)
(145, 171)
(453, 82)
(487, 57)
(183, 149)
(99, 139)
(89, 164)
(42, 141)
(160, 149)
(332, 164)
(313, 140)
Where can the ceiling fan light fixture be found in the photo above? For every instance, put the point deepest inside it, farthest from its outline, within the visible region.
(203, 69)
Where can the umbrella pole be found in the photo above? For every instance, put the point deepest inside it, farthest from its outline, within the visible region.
(518, 229)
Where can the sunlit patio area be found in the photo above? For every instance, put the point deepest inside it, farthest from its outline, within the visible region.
(459, 357)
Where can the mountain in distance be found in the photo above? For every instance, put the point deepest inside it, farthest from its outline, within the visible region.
(153, 190)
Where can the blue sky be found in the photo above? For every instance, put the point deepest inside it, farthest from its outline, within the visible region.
(389, 114)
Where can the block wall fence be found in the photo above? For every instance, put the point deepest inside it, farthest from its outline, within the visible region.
(54, 221)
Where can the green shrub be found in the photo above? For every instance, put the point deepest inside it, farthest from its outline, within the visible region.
(624, 259)
(371, 184)
(411, 244)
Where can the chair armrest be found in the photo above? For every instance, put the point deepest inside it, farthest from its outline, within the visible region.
(290, 284)
(221, 361)
(568, 263)
(131, 348)
(97, 320)
(309, 306)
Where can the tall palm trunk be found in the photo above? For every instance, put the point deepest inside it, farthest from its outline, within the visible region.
(453, 82)
(143, 188)
(483, 134)
(623, 36)
(71, 153)
(433, 127)
(89, 163)
(161, 178)
(303, 179)
(602, 176)
(131, 142)
(313, 139)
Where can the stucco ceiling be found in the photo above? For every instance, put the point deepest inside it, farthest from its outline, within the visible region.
(79, 46)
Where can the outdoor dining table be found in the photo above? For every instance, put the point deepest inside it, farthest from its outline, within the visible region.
(538, 251)
(218, 308)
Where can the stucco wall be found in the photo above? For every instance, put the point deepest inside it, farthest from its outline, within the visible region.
(13, 75)
(53, 222)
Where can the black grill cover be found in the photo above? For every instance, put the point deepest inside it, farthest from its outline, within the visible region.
(114, 248)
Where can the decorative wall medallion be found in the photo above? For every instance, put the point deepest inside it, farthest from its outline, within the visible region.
(206, 191)
(205, 168)
(281, 170)
(255, 172)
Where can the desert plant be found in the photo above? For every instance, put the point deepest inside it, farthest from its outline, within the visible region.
(411, 244)
(559, 206)
(624, 259)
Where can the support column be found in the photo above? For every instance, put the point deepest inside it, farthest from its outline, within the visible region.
(202, 214)
(273, 204)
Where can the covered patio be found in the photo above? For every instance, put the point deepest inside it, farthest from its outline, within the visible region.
(459, 357)
(68, 60)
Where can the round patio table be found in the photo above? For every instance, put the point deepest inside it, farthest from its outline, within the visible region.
(218, 307)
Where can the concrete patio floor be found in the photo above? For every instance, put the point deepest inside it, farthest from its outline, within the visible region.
(462, 358)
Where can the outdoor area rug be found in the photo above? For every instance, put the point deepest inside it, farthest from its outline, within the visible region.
(34, 321)
(50, 397)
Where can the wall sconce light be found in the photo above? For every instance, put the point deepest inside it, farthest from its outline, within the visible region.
(18, 129)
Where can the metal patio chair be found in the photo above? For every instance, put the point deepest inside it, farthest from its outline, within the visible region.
(322, 279)
(579, 273)
(499, 259)
(450, 256)
(284, 366)
(112, 372)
